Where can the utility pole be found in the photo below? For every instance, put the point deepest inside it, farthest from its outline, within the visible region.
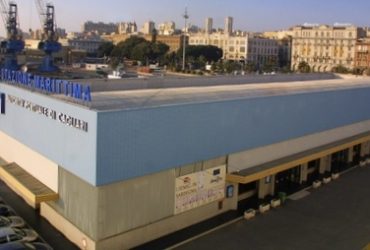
(186, 17)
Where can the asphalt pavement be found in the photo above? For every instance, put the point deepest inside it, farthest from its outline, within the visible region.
(334, 216)
(32, 217)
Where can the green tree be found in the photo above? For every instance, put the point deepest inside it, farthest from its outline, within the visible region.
(218, 67)
(141, 52)
(158, 51)
(137, 48)
(172, 61)
(340, 69)
(105, 49)
(250, 67)
(125, 48)
(286, 69)
(231, 66)
(358, 71)
(268, 67)
(209, 52)
(198, 55)
(304, 67)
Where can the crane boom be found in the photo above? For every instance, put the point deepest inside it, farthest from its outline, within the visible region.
(49, 43)
(4, 11)
(47, 19)
(10, 18)
(14, 43)
(40, 8)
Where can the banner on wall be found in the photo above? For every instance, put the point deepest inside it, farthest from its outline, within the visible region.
(198, 189)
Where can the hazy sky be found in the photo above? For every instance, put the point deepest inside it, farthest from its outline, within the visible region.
(249, 15)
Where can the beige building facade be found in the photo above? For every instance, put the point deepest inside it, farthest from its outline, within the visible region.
(242, 47)
(234, 47)
(324, 47)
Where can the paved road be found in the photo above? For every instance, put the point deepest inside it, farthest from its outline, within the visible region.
(335, 216)
(52, 236)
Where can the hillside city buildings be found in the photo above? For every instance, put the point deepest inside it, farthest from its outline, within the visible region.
(322, 47)
(99, 27)
(167, 28)
(148, 28)
(127, 28)
(238, 46)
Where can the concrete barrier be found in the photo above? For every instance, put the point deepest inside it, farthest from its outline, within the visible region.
(316, 184)
(275, 203)
(263, 208)
(335, 176)
(249, 214)
(327, 180)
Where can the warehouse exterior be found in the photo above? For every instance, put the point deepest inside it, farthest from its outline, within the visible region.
(133, 165)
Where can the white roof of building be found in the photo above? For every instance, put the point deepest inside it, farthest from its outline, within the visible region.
(149, 98)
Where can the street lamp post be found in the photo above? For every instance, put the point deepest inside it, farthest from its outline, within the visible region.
(185, 16)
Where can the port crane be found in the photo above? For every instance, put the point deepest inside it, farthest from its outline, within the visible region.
(49, 43)
(13, 43)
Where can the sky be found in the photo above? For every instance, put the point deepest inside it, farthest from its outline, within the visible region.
(249, 15)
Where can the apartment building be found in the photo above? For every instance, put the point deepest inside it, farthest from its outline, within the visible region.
(99, 27)
(234, 47)
(262, 51)
(241, 47)
(127, 28)
(362, 54)
(324, 47)
(148, 28)
(167, 28)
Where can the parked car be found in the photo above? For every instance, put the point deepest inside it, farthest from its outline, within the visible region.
(11, 221)
(8, 234)
(25, 246)
(5, 210)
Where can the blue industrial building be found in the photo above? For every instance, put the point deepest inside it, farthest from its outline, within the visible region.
(137, 162)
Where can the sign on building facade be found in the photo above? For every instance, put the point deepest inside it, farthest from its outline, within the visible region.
(198, 189)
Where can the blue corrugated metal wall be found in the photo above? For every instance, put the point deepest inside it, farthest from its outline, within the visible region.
(127, 144)
(140, 142)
